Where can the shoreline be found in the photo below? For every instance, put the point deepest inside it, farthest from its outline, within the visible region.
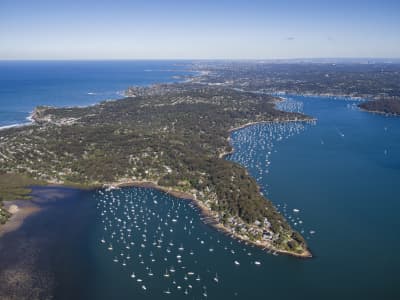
(231, 130)
(205, 212)
(185, 79)
(24, 209)
(307, 253)
(27, 208)
(207, 216)
(272, 121)
(334, 96)
(379, 112)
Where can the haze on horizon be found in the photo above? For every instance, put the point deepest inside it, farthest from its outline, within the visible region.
(173, 29)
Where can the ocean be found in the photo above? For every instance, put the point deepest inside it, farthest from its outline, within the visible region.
(334, 180)
(27, 84)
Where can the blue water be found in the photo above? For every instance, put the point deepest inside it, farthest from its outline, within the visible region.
(341, 174)
(26, 84)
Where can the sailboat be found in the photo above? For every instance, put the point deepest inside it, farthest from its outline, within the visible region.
(166, 274)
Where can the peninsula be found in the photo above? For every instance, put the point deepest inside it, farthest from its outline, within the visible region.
(172, 137)
(388, 106)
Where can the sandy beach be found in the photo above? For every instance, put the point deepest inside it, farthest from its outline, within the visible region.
(20, 210)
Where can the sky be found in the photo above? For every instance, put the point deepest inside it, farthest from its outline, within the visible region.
(199, 29)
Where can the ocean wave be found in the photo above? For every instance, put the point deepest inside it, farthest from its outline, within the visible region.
(29, 118)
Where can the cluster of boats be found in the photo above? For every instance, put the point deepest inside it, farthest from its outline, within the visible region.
(254, 147)
(160, 242)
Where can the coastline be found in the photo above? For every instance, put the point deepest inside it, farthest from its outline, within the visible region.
(328, 95)
(220, 227)
(184, 79)
(27, 208)
(378, 112)
(23, 209)
(208, 217)
(231, 130)
(16, 220)
(17, 125)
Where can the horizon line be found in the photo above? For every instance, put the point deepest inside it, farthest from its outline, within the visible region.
(361, 58)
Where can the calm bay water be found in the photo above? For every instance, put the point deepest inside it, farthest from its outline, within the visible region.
(341, 174)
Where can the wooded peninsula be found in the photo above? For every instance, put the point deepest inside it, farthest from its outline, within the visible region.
(172, 135)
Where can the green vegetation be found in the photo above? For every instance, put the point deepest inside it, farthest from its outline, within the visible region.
(173, 135)
(13, 186)
(369, 81)
(385, 106)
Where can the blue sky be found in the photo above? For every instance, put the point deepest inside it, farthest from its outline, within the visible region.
(198, 29)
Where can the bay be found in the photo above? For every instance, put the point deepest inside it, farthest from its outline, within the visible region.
(339, 177)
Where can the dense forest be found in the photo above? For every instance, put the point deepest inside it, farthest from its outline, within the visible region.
(174, 135)
(386, 106)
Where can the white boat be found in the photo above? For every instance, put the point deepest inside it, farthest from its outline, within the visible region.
(257, 263)
(167, 292)
(237, 263)
(166, 274)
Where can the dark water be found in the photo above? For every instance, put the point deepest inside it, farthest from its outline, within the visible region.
(341, 173)
(27, 84)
